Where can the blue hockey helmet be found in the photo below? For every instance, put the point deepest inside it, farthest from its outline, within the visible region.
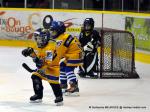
(57, 28)
(88, 24)
(41, 37)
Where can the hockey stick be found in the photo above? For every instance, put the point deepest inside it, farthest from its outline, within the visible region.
(25, 66)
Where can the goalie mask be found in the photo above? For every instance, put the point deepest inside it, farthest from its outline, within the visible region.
(41, 37)
(88, 24)
(57, 28)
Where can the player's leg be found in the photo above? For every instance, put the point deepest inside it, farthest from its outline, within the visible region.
(73, 83)
(38, 89)
(53, 79)
(82, 68)
(91, 65)
(58, 94)
(93, 73)
(63, 77)
(81, 71)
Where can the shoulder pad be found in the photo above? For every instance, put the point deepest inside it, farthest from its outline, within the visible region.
(68, 41)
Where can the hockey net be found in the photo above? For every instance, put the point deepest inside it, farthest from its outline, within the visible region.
(117, 54)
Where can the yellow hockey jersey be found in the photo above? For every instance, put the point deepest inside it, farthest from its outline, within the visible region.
(48, 71)
(65, 46)
(68, 47)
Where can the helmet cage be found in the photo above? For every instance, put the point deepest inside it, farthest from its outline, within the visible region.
(88, 24)
(41, 39)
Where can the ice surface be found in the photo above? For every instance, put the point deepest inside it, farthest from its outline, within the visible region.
(16, 88)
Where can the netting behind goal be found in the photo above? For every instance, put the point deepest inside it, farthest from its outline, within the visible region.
(117, 55)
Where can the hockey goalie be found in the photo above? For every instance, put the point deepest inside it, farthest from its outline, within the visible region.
(90, 40)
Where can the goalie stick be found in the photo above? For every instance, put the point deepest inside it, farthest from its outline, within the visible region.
(25, 66)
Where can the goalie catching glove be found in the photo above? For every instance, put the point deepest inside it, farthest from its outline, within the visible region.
(27, 52)
(89, 47)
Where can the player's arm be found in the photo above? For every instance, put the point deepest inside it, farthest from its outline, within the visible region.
(98, 38)
(81, 39)
(88, 47)
(39, 62)
(30, 52)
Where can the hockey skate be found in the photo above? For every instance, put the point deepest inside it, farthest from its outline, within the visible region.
(73, 90)
(36, 99)
(93, 75)
(59, 101)
(83, 75)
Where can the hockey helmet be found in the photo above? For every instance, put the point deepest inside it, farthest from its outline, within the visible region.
(41, 37)
(57, 28)
(88, 24)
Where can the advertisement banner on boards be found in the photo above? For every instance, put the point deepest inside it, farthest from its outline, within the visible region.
(20, 25)
(140, 27)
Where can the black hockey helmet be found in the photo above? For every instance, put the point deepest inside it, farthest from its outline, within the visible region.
(88, 24)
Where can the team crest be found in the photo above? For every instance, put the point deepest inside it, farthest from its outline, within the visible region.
(49, 55)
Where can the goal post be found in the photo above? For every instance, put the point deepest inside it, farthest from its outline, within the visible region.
(117, 54)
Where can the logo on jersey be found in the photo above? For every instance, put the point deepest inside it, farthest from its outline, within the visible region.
(49, 55)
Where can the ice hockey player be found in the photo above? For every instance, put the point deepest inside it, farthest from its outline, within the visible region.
(42, 54)
(90, 40)
(69, 48)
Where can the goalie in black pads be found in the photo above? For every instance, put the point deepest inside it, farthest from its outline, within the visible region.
(90, 40)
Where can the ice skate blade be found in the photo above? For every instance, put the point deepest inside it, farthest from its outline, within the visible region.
(72, 94)
(60, 104)
(36, 101)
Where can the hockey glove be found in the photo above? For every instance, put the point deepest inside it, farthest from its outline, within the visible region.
(41, 72)
(27, 52)
(39, 62)
(89, 47)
